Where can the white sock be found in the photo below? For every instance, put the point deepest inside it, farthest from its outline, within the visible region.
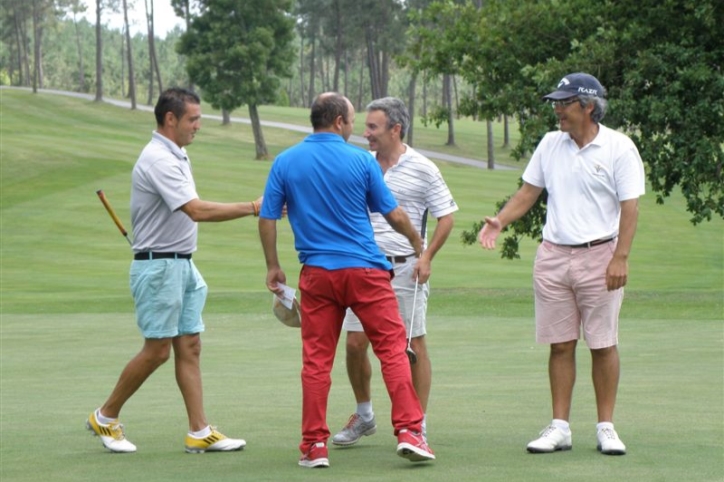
(424, 423)
(204, 432)
(602, 425)
(561, 424)
(364, 410)
(102, 418)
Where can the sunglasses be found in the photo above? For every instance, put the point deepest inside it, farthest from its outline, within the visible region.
(563, 103)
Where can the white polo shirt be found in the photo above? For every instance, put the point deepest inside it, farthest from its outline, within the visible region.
(417, 184)
(162, 182)
(585, 185)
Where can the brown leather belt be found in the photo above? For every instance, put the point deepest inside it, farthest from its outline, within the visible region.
(589, 244)
(399, 259)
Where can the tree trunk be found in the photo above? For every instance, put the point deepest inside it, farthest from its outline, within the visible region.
(290, 92)
(261, 152)
(153, 58)
(322, 78)
(16, 25)
(149, 29)
(447, 96)
(26, 52)
(21, 40)
(123, 62)
(358, 105)
(339, 45)
(312, 70)
(455, 90)
(37, 44)
(301, 71)
(384, 73)
(491, 146)
(99, 52)
(506, 132)
(158, 70)
(373, 64)
(155, 54)
(187, 18)
(79, 46)
(129, 52)
(411, 107)
(225, 117)
(424, 96)
(346, 71)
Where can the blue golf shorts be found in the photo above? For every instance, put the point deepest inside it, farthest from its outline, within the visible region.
(169, 295)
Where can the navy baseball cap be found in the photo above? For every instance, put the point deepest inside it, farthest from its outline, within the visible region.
(577, 84)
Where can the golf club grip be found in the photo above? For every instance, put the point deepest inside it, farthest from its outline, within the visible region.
(112, 213)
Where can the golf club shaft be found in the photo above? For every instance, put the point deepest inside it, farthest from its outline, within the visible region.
(414, 308)
(113, 215)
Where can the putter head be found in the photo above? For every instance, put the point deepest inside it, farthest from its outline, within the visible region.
(411, 355)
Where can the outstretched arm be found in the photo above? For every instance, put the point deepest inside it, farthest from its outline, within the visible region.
(514, 209)
(204, 211)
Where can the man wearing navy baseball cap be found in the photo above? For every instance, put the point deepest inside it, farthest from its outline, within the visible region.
(577, 84)
(594, 177)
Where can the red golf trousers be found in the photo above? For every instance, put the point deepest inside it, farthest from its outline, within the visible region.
(326, 294)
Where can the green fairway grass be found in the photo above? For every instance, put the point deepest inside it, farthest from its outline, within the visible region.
(67, 327)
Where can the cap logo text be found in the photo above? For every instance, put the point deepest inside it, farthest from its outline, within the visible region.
(584, 90)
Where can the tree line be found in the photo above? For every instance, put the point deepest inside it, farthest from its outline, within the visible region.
(490, 59)
(49, 43)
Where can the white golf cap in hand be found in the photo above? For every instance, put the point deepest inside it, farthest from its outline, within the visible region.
(288, 316)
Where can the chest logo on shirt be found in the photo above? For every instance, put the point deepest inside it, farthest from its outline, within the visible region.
(600, 172)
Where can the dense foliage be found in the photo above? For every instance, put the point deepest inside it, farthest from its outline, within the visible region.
(661, 62)
(68, 53)
(237, 51)
(334, 41)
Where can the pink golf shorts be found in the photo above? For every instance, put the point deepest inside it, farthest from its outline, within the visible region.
(571, 296)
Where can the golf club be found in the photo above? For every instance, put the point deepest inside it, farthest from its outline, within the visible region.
(112, 213)
(410, 352)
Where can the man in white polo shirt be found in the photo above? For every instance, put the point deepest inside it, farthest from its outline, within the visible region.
(418, 186)
(168, 291)
(594, 177)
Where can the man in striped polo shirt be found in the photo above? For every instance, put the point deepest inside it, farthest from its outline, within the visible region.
(418, 186)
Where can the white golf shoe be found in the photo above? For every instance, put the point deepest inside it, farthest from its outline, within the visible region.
(112, 435)
(550, 440)
(214, 442)
(609, 443)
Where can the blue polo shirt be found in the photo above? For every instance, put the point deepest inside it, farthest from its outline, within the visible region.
(329, 188)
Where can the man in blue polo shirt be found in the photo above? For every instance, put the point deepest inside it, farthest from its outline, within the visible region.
(329, 187)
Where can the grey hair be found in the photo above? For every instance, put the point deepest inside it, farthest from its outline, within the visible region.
(395, 111)
(599, 106)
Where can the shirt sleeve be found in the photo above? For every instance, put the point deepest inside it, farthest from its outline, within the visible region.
(274, 194)
(629, 174)
(438, 197)
(379, 197)
(533, 173)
